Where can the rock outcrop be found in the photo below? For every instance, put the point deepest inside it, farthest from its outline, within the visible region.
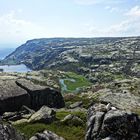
(15, 93)
(124, 94)
(109, 123)
(46, 135)
(12, 97)
(40, 95)
(106, 57)
(44, 115)
(7, 132)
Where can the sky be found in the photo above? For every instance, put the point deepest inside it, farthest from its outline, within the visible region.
(22, 20)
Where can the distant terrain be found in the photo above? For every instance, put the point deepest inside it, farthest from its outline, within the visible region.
(98, 59)
(78, 89)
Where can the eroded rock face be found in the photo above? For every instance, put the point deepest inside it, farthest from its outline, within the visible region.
(111, 124)
(15, 93)
(7, 132)
(41, 95)
(46, 135)
(12, 97)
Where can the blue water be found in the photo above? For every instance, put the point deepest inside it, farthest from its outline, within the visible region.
(15, 68)
(5, 51)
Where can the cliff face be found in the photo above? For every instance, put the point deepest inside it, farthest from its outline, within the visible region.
(18, 92)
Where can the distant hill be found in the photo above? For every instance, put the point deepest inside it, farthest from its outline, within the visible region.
(41, 53)
(110, 55)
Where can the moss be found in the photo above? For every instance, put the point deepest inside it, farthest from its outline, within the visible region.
(67, 132)
(60, 115)
(72, 98)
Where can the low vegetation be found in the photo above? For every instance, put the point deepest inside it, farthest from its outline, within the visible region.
(72, 98)
(79, 81)
(69, 132)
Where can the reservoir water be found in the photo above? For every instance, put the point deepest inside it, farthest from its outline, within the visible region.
(15, 68)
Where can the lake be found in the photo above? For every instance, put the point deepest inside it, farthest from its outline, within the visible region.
(15, 68)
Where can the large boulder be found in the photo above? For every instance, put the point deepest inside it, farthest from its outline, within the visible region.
(7, 132)
(44, 115)
(42, 95)
(18, 92)
(109, 123)
(12, 97)
(46, 135)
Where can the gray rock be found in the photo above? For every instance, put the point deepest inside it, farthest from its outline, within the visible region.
(126, 101)
(72, 120)
(42, 96)
(44, 115)
(75, 105)
(13, 95)
(24, 113)
(7, 132)
(17, 93)
(46, 135)
(112, 125)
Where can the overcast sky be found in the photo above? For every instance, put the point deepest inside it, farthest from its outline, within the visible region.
(21, 20)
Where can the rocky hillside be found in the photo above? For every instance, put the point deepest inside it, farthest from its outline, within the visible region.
(99, 80)
(92, 57)
(41, 53)
(100, 111)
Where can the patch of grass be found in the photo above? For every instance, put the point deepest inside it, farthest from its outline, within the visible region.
(72, 98)
(81, 115)
(30, 129)
(67, 132)
(80, 81)
(60, 115)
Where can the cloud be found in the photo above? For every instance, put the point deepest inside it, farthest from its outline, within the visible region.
(93, 2)
(112, 9)
(134, 11)
(13, 29)
(88, 2)
(128, 27)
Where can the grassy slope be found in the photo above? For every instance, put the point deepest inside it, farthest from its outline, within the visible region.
(80, 81)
